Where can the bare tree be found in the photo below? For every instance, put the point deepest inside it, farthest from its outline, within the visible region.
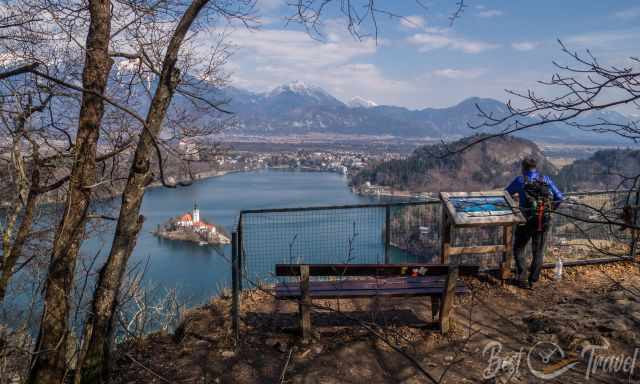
(361, 16)
(26, 191)
(49, 361)
(98, 333)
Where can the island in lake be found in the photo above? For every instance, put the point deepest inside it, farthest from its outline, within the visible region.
(190, 227)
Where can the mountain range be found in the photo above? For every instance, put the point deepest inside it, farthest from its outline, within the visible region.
(298, 108)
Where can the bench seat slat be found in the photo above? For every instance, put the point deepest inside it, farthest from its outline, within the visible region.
(369, 287)
(371, 284)
(424, 291)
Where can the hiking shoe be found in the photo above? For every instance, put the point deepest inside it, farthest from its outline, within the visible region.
(523, 284)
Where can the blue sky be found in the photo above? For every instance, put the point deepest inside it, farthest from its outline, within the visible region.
(420, 61)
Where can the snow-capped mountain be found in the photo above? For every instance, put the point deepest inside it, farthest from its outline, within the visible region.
(360, 102)
(300, 89)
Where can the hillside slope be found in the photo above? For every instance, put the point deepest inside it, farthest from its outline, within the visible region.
(604, 170)
(490, 164)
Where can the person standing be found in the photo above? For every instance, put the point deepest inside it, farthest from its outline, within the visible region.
(538, 197)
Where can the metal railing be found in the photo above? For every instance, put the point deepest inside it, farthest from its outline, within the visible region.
(408, 232)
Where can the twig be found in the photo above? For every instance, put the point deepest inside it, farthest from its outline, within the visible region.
(147, 368)
(286, 365)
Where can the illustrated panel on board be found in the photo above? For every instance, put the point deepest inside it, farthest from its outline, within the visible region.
(481, 208)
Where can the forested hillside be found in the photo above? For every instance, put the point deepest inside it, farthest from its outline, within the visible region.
(606, 169)
(490, 164)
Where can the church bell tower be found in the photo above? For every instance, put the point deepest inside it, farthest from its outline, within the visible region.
(196, 213)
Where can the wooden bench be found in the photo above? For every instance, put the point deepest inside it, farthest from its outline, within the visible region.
(438, 281)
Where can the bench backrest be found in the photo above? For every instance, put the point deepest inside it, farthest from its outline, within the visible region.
(375, 270)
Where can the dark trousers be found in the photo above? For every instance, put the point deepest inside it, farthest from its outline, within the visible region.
(524, 233)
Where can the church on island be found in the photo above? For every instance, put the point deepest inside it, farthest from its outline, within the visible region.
(191, 227)
(192, 221)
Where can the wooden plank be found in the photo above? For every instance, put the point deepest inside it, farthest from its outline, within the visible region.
(507, 261)
(410, 282)
(305, 303)
(419, 269)
(479, 249)
(359, 285)
(447, 299)
(367, 293)
(445, 236)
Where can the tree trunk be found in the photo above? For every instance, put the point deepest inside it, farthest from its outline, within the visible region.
(48, 364)
(14, 253)
(94, 361)
(27, 198)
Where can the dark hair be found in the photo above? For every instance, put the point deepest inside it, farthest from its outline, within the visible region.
(529, 163)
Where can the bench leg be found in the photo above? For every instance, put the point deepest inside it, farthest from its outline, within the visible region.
(435, 307)
(447, 299)
(305, 303)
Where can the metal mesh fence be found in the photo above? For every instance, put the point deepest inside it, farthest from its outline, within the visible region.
(410, 233)
(584, 226)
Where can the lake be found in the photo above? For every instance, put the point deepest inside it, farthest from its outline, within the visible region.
(198, 272)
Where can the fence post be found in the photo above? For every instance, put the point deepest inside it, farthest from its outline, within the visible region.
(235, 287)
(240, 252)
(387, 233)
(634, 232)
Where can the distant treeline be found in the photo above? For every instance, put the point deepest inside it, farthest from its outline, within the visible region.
(606, 169)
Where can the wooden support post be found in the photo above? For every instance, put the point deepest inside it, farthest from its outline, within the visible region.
(445, 237)
(447, 299)
(507, 259)
(305, 303)
(435, 307)
(235, 288)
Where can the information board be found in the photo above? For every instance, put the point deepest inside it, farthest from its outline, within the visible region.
(481, 208)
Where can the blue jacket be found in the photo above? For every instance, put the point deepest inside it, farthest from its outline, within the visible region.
(517, 186)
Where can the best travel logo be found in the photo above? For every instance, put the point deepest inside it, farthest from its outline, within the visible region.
(546, 361)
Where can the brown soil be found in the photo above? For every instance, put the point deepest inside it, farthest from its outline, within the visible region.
(591, 306)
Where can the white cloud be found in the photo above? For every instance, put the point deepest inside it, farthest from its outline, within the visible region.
(487, 13)
(599, 39)
(270, 57)
(297, 47)
(431, 41)
(525, 45)
(412, 22)
(452, 73)
(628, 14)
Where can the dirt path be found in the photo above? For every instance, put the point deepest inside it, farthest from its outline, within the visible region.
(499, 336)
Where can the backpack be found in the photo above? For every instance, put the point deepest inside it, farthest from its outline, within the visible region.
(538, 202)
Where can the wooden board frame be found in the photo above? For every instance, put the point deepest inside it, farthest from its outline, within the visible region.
(452, 219)
(462, 220)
